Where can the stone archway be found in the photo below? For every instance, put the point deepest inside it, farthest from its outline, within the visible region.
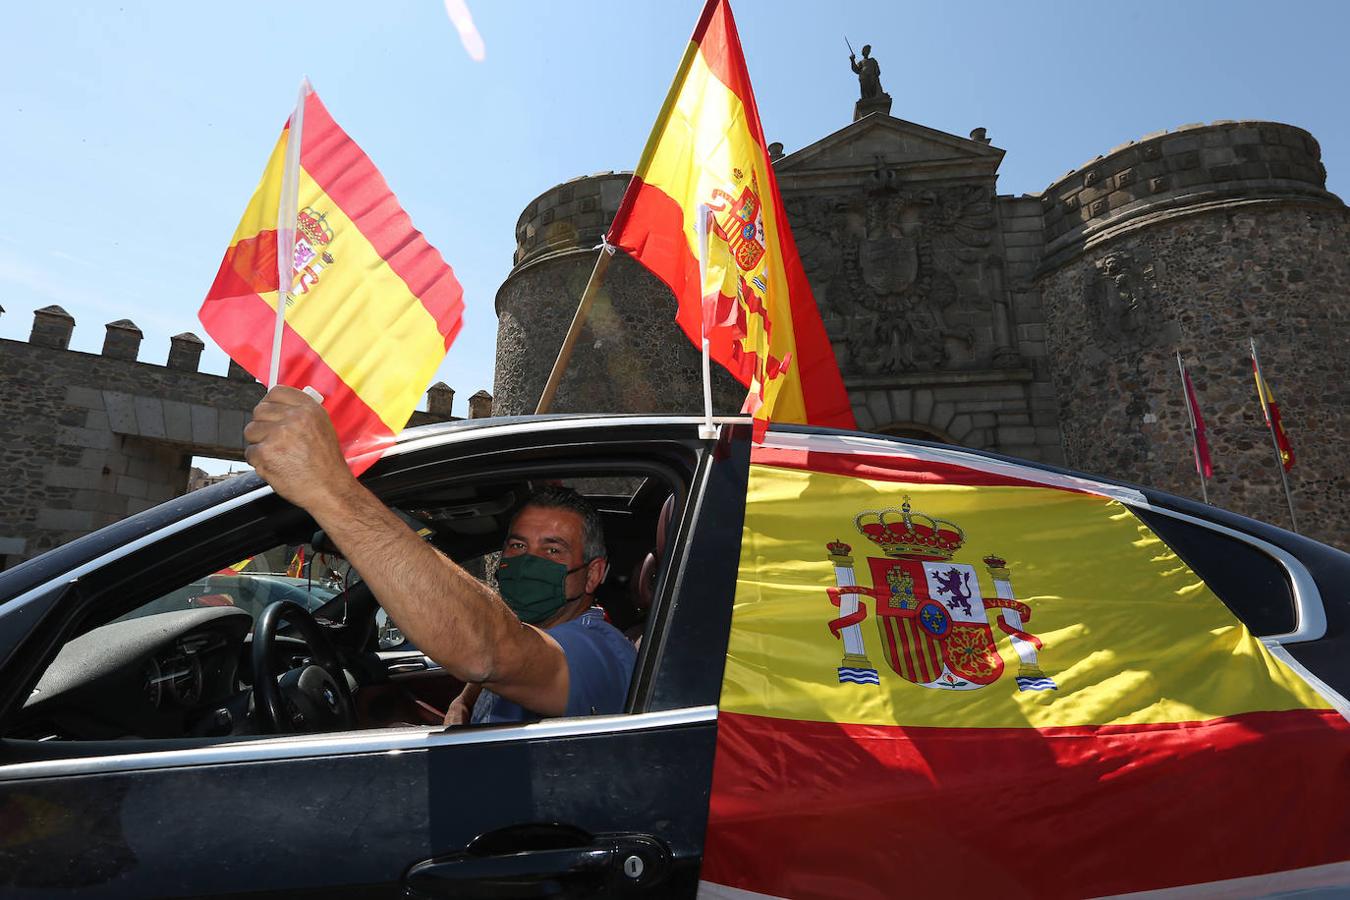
(914, 412)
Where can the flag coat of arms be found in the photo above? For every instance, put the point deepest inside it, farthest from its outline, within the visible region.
(1048, 701)
(754, 304)
(373, 309)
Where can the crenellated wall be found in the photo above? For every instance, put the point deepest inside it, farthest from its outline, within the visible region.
(88, 438)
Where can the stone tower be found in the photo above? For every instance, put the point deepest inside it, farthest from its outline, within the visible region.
(1195, 241)
(631, 357)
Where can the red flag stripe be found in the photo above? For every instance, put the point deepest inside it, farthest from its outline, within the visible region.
(817, 809)
(350, 180)
(891, 468)
(236, 320)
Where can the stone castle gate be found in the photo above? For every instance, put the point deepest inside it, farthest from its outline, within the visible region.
(1043, 326)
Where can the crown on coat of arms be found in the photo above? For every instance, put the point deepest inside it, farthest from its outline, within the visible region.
(903, 532)
(311, 224)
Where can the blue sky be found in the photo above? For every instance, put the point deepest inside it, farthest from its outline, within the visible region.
(132, 134)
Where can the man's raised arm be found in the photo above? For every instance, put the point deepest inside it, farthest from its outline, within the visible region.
(450, 615)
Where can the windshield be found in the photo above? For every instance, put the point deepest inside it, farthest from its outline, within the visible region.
(286, 572)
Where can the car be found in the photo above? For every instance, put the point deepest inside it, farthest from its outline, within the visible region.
(155, 745)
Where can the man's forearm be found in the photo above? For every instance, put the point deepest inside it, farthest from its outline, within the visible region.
(445, 611)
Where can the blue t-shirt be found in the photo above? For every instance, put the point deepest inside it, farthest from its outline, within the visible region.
(599, 667)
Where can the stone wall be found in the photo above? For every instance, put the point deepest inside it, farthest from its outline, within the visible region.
(86, 439)
(1243, 241)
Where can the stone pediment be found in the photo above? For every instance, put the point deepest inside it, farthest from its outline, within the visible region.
(913, 152)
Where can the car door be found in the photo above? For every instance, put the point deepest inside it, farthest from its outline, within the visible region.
(956, 674)
(606, 805)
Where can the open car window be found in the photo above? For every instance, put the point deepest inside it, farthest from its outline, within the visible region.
(163, 647)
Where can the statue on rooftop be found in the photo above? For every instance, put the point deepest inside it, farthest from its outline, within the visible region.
(868, 72)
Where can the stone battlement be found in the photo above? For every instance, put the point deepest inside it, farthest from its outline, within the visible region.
(573, 215)
(1177, 173)
(88, 438)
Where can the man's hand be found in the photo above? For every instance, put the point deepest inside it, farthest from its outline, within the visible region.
(460, 711)
(292, 445)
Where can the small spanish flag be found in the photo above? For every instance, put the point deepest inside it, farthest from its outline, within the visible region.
(234, 569)
(374, 307)
(708, 150)
(1271, 410)
(296, 569)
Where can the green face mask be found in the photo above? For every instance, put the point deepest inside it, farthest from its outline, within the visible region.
(533, 586)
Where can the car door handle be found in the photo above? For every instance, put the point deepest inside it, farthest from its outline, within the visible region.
(543, 860)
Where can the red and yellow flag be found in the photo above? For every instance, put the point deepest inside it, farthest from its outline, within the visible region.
(234, 569)
(296, 569)
(374, 306)
(708, 149)
(1271, 410)
(955, 677)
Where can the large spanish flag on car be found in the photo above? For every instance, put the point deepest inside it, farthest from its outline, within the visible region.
(708, 148)
(374, 306)
(949, 677)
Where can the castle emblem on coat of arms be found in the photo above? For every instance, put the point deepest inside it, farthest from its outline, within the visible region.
(932, 616)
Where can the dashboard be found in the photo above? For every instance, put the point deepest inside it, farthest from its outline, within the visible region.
(165, 675)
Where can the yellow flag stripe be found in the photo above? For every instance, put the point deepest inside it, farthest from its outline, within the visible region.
(1130, 634)
(703, 139)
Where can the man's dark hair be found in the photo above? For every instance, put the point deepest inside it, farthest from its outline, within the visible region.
(552, 496)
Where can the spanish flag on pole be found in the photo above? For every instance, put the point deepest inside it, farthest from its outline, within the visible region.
(954, 677)
(1271, 410)
(373, 306)
(755, 305)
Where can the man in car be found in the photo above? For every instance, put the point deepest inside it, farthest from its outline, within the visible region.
(540, 649)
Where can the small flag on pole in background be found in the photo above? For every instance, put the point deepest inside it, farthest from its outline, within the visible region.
(1271, 410)
(708, 149)
(372, 307)
(1199, 442)
(297, 567)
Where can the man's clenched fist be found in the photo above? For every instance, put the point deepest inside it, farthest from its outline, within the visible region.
(292, 445)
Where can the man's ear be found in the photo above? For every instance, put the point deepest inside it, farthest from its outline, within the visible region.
(596, 572)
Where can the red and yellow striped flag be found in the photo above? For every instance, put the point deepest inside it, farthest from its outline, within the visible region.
(375, 307)
(1271, 410)
(966, 678)
(708, 149)
(296, 569)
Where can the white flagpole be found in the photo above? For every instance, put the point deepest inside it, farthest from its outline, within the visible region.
(708, 431)
(1190, 420)
(287, 210)
(1261, 390)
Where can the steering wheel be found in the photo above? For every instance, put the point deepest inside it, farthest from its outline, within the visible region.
(313, 697)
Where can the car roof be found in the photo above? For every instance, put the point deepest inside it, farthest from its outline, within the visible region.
(78, 552)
